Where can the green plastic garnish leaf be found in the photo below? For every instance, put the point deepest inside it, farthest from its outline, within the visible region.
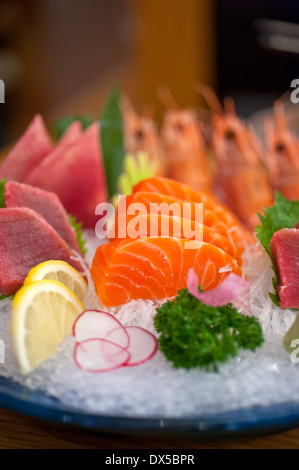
(61, 125)
(193, 334)
(112, 141)
(79, 233)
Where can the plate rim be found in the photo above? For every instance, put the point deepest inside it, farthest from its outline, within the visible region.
(281, 416)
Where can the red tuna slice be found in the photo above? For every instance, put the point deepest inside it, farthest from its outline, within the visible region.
(28, 152)
(73, 132)
(27, 239)
(46, 204)
(285, 251)
(78, 177)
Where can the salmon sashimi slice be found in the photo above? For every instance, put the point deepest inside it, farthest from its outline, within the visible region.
(151, 203)
(155, 268)
(157, 225)
(169, 187)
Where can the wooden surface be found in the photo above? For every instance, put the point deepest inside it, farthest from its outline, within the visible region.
(22, 432)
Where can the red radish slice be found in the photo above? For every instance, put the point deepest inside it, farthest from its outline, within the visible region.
(99, 355)
(92, 324)
(117, 336)
(142, 346)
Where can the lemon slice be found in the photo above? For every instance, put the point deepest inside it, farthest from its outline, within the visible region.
(43, 313)
(61, 271)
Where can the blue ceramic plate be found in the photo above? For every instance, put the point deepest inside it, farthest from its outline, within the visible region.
(244, 421)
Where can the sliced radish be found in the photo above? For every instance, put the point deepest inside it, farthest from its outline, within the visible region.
(116, 336)
(100, 355)
(142, 345)
(92, 324)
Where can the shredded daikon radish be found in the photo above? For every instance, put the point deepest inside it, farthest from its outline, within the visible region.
(258, 270)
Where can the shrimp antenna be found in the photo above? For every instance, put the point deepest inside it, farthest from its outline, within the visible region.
(210, 97)
(166, 98)
(229, 105)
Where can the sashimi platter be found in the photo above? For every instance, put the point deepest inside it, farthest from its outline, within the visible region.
(149, 273)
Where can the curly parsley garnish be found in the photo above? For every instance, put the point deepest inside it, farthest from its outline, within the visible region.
(193, 334)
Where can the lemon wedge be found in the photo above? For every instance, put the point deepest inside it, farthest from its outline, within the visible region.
(61, 271)
(43, 313)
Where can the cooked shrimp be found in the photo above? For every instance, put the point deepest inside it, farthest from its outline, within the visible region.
(141, 135)
(282, 152)
(242, 179)
(184, 147)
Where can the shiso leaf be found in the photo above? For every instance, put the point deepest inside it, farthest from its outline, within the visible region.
(193, 334)
(79, 232)
(112, 141)
(61, 125)
(283, 214)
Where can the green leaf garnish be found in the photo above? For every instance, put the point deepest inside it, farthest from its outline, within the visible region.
(79, 233)
(112, 140)
(2, 187)
(61, 125)
(283, 214)
(193, 334)
(4, 296)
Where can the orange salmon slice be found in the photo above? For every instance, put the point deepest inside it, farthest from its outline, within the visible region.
(218, 221)
(155, 268)
(157, 225)
(170, 187)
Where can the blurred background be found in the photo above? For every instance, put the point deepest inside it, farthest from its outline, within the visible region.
(59, 57)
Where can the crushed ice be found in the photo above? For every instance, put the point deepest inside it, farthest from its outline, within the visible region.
(156, 389)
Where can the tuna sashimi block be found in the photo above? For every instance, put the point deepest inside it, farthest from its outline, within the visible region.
(285, 251)
(39, 173)
(77, 176)
(46, 203)
(27, 239)
(28, 152)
